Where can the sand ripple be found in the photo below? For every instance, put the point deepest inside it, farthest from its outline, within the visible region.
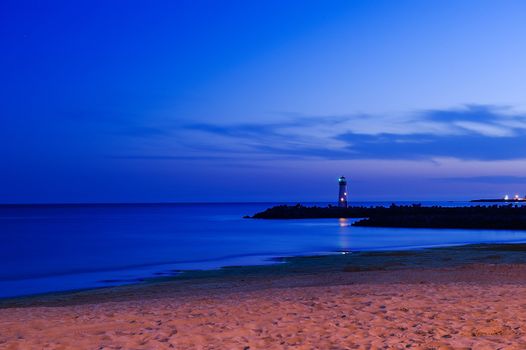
(358, 316)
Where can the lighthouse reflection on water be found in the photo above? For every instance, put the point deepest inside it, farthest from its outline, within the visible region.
(344, 232)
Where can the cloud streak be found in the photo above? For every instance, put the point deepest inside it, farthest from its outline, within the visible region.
(469, 146)
(496, 179)
(472, 132)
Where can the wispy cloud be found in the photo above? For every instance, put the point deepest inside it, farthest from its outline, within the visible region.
(470, 146)
(497, 179)
(471, 132)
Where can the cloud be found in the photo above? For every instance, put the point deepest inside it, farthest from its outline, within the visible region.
(471, 132)
(476, 133)
(498, 179)
(470, 146)
(473, 113)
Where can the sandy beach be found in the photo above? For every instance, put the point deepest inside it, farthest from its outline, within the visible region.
(454, 298)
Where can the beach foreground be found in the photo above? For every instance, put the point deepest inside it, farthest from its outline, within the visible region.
(474, 299)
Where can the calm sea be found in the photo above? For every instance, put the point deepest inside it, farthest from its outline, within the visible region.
(56, 248)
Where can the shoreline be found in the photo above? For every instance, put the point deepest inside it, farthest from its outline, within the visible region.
(269, 262)
(425, 258)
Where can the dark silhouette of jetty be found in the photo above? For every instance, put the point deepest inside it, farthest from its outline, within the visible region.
(495, 217)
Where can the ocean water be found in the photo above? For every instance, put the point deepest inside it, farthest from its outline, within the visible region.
(57, 248)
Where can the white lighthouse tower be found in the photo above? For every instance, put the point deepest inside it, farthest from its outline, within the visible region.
(342, 197)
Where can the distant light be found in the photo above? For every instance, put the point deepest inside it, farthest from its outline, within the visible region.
(345, 193)
(506, 197)
(341, 199)
(516, 196)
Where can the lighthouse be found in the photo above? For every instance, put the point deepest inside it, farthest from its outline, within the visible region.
(342, 196)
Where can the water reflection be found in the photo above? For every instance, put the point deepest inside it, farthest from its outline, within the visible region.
(344, 235)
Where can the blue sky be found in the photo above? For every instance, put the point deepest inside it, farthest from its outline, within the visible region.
(262, 100)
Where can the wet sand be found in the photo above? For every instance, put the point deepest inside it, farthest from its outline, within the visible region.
(454, 298)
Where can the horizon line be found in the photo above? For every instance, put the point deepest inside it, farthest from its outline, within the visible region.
(36, 204)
